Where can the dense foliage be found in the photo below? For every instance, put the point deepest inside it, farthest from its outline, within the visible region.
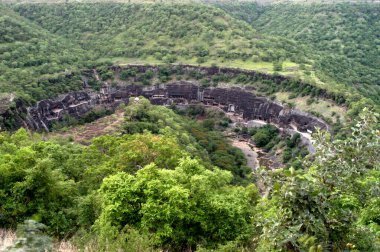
(168, 32)
(331, 205)
(342, 39)
(142, 117)
(265, 137)
(28, 52)
(57, 182)
(42, 43)
(184, 207)
(289, 148)
(161, 185)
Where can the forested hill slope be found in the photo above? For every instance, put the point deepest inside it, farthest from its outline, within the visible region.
(343, 39)
(45, 39)
(26, 52)
(168, 33)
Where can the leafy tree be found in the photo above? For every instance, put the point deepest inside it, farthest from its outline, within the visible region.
(182, 207)
(34, 183)
(264, 135)
(323, 203)
(277, 66)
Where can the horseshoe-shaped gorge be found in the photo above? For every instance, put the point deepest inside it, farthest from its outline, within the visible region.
(239, 100)
(189, 125)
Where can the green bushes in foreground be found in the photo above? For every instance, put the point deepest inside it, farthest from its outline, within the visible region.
(160, 191)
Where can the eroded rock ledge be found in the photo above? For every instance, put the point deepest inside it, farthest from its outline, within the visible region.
(238, 100)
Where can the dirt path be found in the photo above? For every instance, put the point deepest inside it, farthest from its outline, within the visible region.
(252, 160)
(84, 133)
(249, 153)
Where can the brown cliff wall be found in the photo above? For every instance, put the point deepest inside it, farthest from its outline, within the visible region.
(238, 100)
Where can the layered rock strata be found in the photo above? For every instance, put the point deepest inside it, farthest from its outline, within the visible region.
(233, 72)
(237, 100)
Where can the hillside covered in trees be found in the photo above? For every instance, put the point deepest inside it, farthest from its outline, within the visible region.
(154, 34)
(342, 40)
(28, 52)
(243, 35)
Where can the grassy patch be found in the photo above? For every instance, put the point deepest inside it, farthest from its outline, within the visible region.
(290, 69)
(326, 108)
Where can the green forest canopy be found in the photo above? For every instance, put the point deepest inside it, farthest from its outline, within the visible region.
(28, 52)
(341, 39)
(85, 35)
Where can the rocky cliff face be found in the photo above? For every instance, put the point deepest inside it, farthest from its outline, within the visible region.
(13, 116)
(46, 112)
(237, 100)
(233, 72)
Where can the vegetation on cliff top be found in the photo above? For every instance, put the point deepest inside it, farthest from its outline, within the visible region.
(168, 32)
(66, 37)
(133, 33)
(341, 40)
